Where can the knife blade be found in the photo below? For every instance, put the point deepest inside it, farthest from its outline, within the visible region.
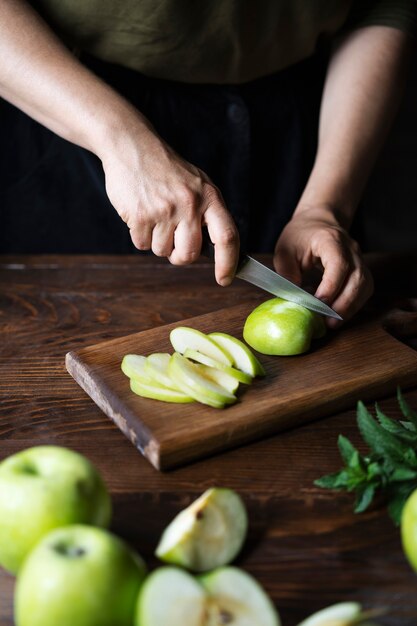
(257, 274)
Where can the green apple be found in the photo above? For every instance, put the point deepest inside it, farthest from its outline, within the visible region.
(243, 357)
(133, 366)
(192, 382)
(228, 595)
(42, 488)
(207, 534)
(79, 576)
(240, 376)
(341, 614)
(409, 529)
(184, 337)
(280, 327)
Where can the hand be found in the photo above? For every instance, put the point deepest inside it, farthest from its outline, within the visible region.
(314, 238)
(165, 201)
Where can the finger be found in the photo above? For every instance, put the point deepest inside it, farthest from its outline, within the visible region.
(286, 264)
(187, 243)
(225, 237)
(163, 239)
(356, 291)
(337, 265)
(141, 236)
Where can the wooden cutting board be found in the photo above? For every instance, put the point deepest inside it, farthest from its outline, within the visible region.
(360, 361)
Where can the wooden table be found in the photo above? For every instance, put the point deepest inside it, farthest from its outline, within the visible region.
(305, 545)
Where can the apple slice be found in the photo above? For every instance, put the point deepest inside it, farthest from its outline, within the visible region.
(220, 377)
(237, 598)
(133, 366)
(172, 597)
(341, 614)
(192, 382)
(208, 533)
(243, 357)
(195, 355)
(156, 367)
(183, 337)
(158, 392)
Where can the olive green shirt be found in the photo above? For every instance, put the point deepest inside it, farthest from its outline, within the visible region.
(213, 41)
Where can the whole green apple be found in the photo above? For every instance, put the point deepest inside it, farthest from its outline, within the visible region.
(79, 576)
(409, 529)
(42, 488)
(280, 327)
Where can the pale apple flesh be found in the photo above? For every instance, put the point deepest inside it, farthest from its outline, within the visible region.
(184, 337)
(199, 357)
(172, 597)
(149, 378)
(341, 614)
(243, 357)
(207, 534)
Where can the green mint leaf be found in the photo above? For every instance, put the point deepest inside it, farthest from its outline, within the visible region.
(333, 481)
(380, 441)
(406, 410)
(401, 474)
(395, 427)
(364, 498)
(347, 450)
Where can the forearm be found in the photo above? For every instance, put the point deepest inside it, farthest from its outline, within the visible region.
(363, 88)
(40, 76)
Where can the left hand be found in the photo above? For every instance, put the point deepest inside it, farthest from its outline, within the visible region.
(314, 238)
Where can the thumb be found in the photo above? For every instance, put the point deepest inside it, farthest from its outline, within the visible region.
(286, 264)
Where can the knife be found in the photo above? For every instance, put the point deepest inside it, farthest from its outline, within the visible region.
(261, 276)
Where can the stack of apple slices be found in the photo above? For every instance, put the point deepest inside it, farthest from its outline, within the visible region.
(203, 368)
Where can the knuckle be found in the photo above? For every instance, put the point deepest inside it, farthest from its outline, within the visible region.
(186, 197)
(228, 237)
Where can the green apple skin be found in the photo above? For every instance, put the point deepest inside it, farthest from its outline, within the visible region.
(409, 529)
(43, 488)
(282, 328)
(342, 614)
(79, 576)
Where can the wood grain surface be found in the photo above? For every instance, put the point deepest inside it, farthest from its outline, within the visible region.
(360, 361)
(305, 546)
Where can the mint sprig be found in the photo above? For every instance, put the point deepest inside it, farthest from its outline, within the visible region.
(390, 468)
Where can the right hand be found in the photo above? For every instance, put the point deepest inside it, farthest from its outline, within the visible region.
(165, 201)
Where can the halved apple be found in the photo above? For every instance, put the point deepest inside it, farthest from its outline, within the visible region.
(207, 534)
(184, 337)
(243, 357)
(158, 392)
(192, 382)
(195, 355)
(341, 614)
(228, 595)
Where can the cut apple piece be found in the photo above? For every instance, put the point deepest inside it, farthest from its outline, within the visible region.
(243, 357)
(183, 337)
(172, 597)
(207, 534)
(156, 368)
(195, 355)
(237, 598)
(220, 377)
(158, 392)
(192, 382)
(341, 614)
(133, 366)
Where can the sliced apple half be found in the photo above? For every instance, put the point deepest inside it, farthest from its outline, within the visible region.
(184, 337)
(208, 533)
(158, 392)
(341, 614)
(192, 382)
(172, 597)
(195, 355)
(243, 357)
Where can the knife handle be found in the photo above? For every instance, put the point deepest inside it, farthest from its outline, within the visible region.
(207, 247)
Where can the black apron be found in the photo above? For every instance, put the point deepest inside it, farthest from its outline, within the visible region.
(256, 141)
